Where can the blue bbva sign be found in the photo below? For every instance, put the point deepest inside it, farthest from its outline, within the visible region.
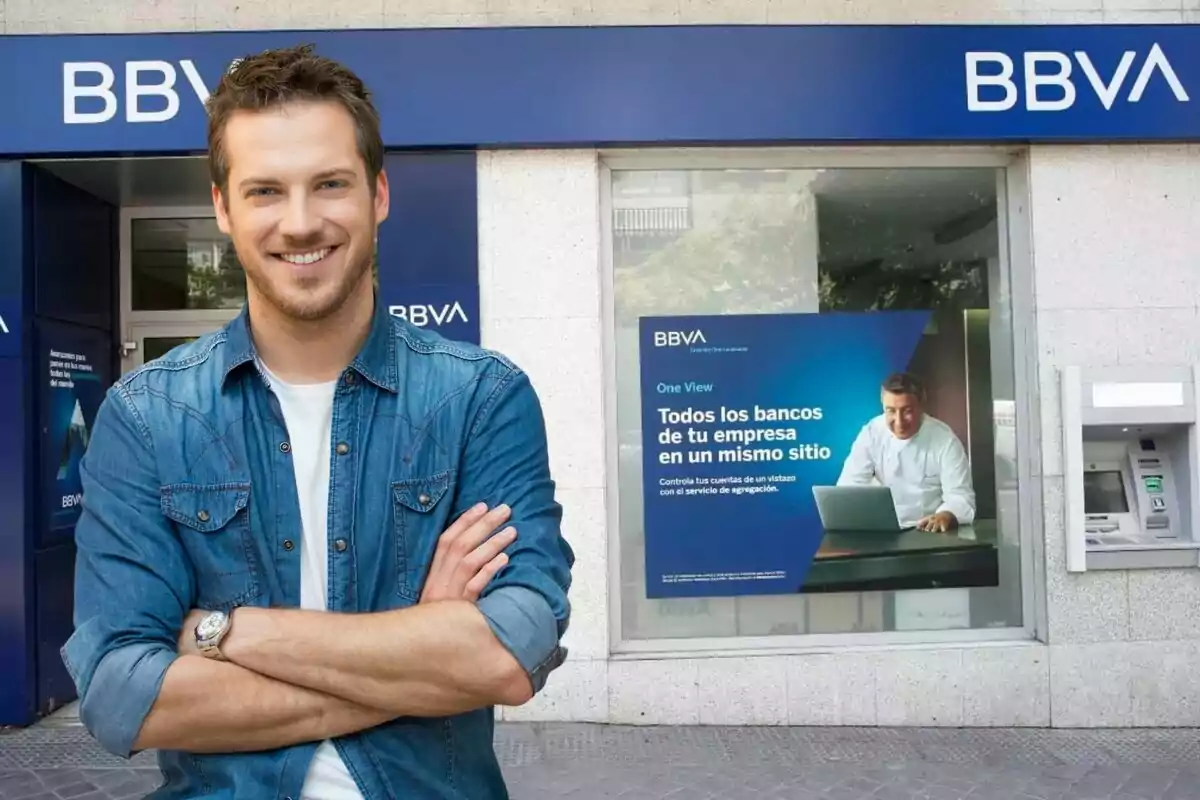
(451, 310)
(10, 327)
(614, 85)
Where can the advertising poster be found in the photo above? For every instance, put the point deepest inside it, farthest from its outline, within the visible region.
(74, 372)
(747, 419)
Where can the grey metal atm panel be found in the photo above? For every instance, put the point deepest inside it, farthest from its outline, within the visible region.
(1130, 467)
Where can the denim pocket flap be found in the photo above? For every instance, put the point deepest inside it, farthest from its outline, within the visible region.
(422, 494)
(204, 508)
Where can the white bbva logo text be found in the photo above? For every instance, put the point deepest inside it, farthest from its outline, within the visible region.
(3, 326)
(1053, 69)
(143, 79)
(678, 338)
(422, 315)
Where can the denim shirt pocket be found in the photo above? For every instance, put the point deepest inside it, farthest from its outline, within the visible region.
(214, 527)
(417, 503)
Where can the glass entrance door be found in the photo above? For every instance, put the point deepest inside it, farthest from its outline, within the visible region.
(180, 279)
(151, 341)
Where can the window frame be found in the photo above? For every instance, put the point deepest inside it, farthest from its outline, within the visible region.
(1016, 265)
(215, 317)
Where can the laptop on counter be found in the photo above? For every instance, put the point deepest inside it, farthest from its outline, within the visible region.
(857, 509)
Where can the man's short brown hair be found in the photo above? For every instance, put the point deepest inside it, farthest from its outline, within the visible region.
(275, 77)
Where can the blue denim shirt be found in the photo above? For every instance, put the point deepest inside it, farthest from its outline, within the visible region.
(189, 502)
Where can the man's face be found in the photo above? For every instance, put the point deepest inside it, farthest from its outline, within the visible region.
(298, 207)
(902, 412)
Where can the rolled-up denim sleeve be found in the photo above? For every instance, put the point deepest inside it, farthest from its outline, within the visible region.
(507, 461)
(132, 581)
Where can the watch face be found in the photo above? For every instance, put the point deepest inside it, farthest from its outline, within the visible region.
(210, 626)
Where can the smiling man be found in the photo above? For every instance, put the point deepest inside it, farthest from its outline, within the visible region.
(918, 456)
(318, 546)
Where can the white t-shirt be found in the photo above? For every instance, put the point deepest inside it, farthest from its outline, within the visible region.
(927, 473)
(308, 414)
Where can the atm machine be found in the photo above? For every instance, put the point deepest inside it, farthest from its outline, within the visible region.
(1131, 467)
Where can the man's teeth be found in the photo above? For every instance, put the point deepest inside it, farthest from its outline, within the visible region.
(305, 258)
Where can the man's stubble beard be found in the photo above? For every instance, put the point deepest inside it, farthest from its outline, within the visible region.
(320, 307)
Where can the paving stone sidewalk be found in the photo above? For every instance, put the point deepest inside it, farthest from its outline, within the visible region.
(583, 762)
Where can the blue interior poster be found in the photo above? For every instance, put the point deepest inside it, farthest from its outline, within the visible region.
(74, 371)
(741, 417)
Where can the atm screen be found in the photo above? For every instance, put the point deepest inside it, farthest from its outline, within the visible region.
(1104, 493)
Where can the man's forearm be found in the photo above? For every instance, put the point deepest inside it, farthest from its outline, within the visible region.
(207, 706)
(433, 659)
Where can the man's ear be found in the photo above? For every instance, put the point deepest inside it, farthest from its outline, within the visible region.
(383, 197)
(221, 209)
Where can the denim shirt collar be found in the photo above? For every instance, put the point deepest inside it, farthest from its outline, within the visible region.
(375, 361)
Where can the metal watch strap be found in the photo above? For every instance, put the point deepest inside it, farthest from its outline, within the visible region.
(211, 647)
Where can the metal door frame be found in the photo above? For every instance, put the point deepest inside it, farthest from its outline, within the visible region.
(133, 349)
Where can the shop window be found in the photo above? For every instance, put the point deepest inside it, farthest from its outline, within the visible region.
(183, 264)
(758, 315)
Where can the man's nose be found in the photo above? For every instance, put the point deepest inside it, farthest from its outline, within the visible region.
(299, 221)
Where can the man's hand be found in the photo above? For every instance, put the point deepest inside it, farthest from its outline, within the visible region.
(938, 523)
(468, 555)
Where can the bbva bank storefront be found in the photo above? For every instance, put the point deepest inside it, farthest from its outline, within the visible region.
(709, 246)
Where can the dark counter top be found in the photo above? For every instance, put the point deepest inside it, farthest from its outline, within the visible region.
(867, 561)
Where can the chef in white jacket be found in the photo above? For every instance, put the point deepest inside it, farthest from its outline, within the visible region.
(917, 456)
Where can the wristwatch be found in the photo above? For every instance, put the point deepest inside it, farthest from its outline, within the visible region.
(209, 633)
